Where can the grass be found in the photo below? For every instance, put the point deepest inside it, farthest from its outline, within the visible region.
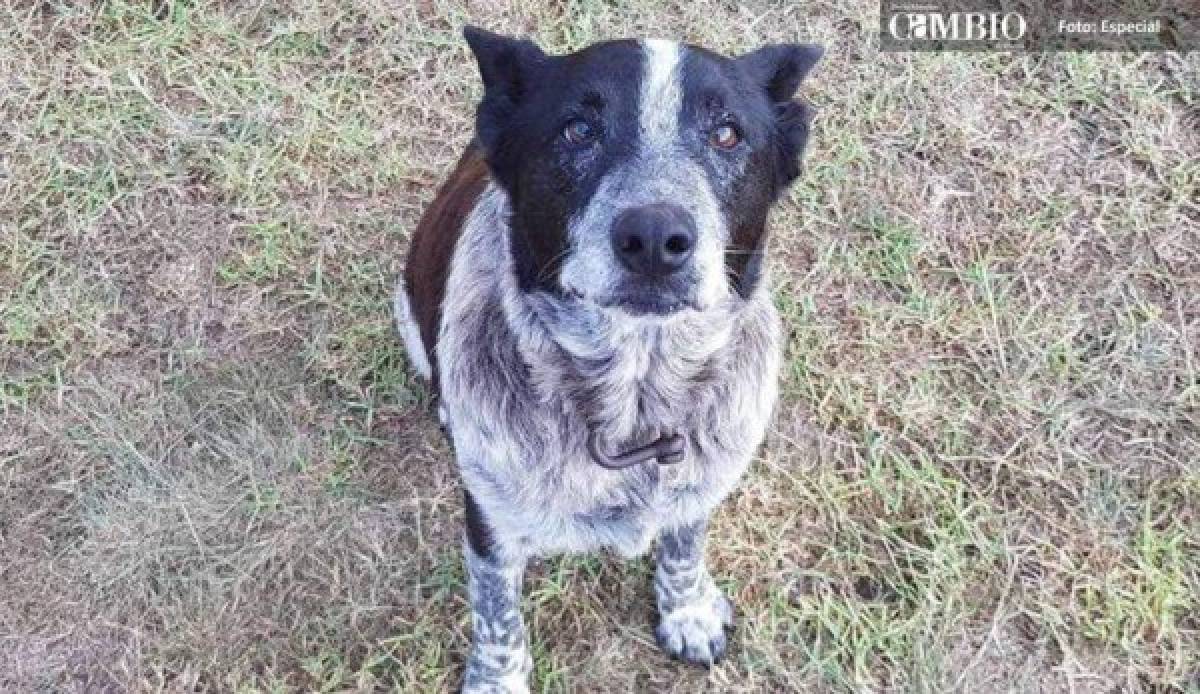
(217, 473)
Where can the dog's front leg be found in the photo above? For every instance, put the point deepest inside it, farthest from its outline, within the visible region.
(499, 662)
(693, 613)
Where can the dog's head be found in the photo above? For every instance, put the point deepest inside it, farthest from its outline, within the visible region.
(640, 172)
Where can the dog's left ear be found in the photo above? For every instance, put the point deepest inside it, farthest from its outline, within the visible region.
(779, 69)
(508, 66)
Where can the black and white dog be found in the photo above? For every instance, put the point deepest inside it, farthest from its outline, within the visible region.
(588, 297)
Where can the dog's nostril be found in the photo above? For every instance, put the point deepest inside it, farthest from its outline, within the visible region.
(631, 244)
(678, 243)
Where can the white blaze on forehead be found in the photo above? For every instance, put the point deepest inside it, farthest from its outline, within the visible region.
(662, 93)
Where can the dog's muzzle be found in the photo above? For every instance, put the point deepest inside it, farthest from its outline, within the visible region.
(666, 450)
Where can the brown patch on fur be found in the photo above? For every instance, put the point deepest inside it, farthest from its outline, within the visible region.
(433, 243)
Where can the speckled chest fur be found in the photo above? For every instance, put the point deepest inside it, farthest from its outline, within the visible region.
(521, 407)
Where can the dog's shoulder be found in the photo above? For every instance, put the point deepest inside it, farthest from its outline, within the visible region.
(432, 248)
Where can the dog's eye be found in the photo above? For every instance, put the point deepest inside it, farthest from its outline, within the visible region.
(724, 136)
(579, 132)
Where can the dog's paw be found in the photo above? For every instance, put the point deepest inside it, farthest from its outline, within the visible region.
(695, 631)
(484, 677)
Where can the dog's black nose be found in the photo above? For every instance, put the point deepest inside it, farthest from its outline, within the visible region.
(654, 240)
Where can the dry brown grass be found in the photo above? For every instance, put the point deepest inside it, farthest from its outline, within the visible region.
(216, 472)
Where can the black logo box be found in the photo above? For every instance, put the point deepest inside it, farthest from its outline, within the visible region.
(1030, 25)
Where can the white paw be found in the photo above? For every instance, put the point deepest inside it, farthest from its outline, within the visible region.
(695, 631)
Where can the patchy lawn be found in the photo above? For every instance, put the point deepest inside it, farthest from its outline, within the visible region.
(217, 473)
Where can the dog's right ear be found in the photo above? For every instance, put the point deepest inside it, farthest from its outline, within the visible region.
(506, 65)
(779, 69)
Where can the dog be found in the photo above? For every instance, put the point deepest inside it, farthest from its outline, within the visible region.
(588, 298)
